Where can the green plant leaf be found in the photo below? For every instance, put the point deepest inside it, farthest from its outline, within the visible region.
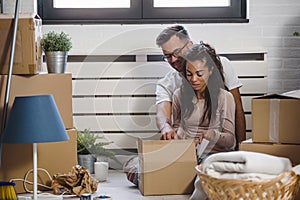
(87, 144)
(53, 41)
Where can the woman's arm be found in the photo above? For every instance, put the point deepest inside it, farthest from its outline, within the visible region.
(224, 136)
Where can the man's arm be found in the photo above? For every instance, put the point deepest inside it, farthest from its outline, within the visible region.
(163, 120)
(240, 122)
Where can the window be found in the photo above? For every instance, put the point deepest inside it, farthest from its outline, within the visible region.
(141, 11)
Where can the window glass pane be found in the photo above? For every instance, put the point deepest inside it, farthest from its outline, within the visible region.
(91, 4)
(191, 3)
(142, 11)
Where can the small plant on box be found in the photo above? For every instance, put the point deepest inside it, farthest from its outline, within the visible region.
(56, 47)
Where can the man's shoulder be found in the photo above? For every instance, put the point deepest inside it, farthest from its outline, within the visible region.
(173, 76)
(225, 62)
(224, 94)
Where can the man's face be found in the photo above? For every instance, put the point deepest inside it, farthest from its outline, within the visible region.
(173, 50)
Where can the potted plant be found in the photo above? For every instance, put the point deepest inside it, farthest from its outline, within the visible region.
(89, 147)
(56, 47)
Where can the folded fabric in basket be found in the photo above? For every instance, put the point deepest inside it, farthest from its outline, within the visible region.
(245, 165)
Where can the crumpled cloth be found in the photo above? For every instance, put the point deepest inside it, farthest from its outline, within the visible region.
(78, 181)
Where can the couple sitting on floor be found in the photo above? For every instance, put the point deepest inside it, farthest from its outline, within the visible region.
(202, 93)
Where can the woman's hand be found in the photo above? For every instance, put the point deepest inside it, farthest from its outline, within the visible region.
(199, 137)
(210, 135)
(181, 133)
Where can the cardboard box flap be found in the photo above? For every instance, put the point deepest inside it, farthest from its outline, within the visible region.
(159, 151)
(294, 93)
(276, 96)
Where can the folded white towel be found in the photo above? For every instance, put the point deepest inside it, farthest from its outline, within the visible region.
(245, 162)
(242, 165)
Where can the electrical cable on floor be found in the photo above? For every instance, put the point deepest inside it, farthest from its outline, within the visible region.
(41, 194)
(30, 182)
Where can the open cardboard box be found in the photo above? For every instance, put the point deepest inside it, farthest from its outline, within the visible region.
(166, 166)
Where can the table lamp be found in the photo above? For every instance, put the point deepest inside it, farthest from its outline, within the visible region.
(34, 119)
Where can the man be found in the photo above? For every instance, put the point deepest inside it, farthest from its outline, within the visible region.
(174, 42)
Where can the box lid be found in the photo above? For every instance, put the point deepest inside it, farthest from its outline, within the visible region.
(294, 93)
(159, 151)
(277, 96)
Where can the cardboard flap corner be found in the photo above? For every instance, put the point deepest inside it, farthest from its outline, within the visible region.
(275, 96)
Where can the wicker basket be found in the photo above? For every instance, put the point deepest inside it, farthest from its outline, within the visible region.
(284, 187)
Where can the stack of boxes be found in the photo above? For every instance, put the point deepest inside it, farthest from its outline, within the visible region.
(275, 126)
(27, 80)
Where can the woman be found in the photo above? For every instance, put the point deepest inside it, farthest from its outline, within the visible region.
(202, 108)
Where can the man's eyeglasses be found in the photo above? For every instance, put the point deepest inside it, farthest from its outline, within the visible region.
(176, 53)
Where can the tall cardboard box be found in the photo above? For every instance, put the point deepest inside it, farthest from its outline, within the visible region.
(59, 85)
(28, 52)
(166, 166)
(275, 119)
(55, 157)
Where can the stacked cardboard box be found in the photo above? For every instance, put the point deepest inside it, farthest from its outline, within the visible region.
(275, 126)
(28, 52)
(56, 157)
(59, 85)
(27, 80)
(275, 130)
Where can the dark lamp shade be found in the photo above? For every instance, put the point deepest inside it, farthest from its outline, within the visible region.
(34, 119)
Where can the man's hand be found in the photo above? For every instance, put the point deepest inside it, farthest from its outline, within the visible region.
(168, 133)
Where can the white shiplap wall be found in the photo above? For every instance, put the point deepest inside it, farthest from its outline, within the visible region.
(271, 26)
(117, 98)
(270, 29)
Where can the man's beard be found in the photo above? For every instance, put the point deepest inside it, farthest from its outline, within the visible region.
(179, 64)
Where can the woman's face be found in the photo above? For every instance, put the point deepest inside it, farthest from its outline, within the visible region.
(197, 74)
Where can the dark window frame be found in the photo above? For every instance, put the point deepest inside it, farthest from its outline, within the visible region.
(142, 12)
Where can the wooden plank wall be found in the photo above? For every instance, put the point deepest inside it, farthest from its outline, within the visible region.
(115, 95)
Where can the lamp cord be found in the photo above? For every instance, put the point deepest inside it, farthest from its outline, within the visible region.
(30, 182)
(39, 184)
